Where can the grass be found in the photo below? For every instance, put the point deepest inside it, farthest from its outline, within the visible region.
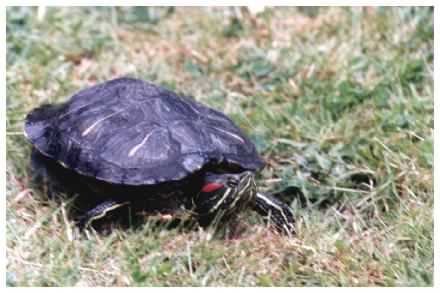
(339, 102)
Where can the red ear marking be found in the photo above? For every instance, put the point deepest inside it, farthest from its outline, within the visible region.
(210, 187)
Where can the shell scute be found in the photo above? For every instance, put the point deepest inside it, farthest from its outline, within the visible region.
(133, 132)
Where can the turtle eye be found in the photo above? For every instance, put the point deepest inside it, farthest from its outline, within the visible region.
(213, 186)
(232, 182)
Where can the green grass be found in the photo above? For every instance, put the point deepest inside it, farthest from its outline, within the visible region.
(339, 102)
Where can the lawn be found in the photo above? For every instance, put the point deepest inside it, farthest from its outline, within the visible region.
(339, 102)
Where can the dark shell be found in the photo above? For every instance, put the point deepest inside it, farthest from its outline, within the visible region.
(128, 131)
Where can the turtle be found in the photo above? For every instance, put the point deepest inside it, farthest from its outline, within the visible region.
(133, 142)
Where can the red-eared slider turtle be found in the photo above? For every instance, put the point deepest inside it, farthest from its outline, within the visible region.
(132, 141)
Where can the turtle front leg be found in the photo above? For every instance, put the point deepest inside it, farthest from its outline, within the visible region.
(100, 211)
(276, 212)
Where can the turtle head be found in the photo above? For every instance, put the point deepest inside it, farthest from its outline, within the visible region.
(233, 183)
(224, 194)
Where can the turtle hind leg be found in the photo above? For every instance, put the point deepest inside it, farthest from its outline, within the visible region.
(278, 213)
(100, 211)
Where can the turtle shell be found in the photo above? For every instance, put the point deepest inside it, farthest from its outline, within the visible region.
(128, 131)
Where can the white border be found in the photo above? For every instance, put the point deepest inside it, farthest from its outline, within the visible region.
(436, 147)
(221, 3)
(3, 145)
(216, 3)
